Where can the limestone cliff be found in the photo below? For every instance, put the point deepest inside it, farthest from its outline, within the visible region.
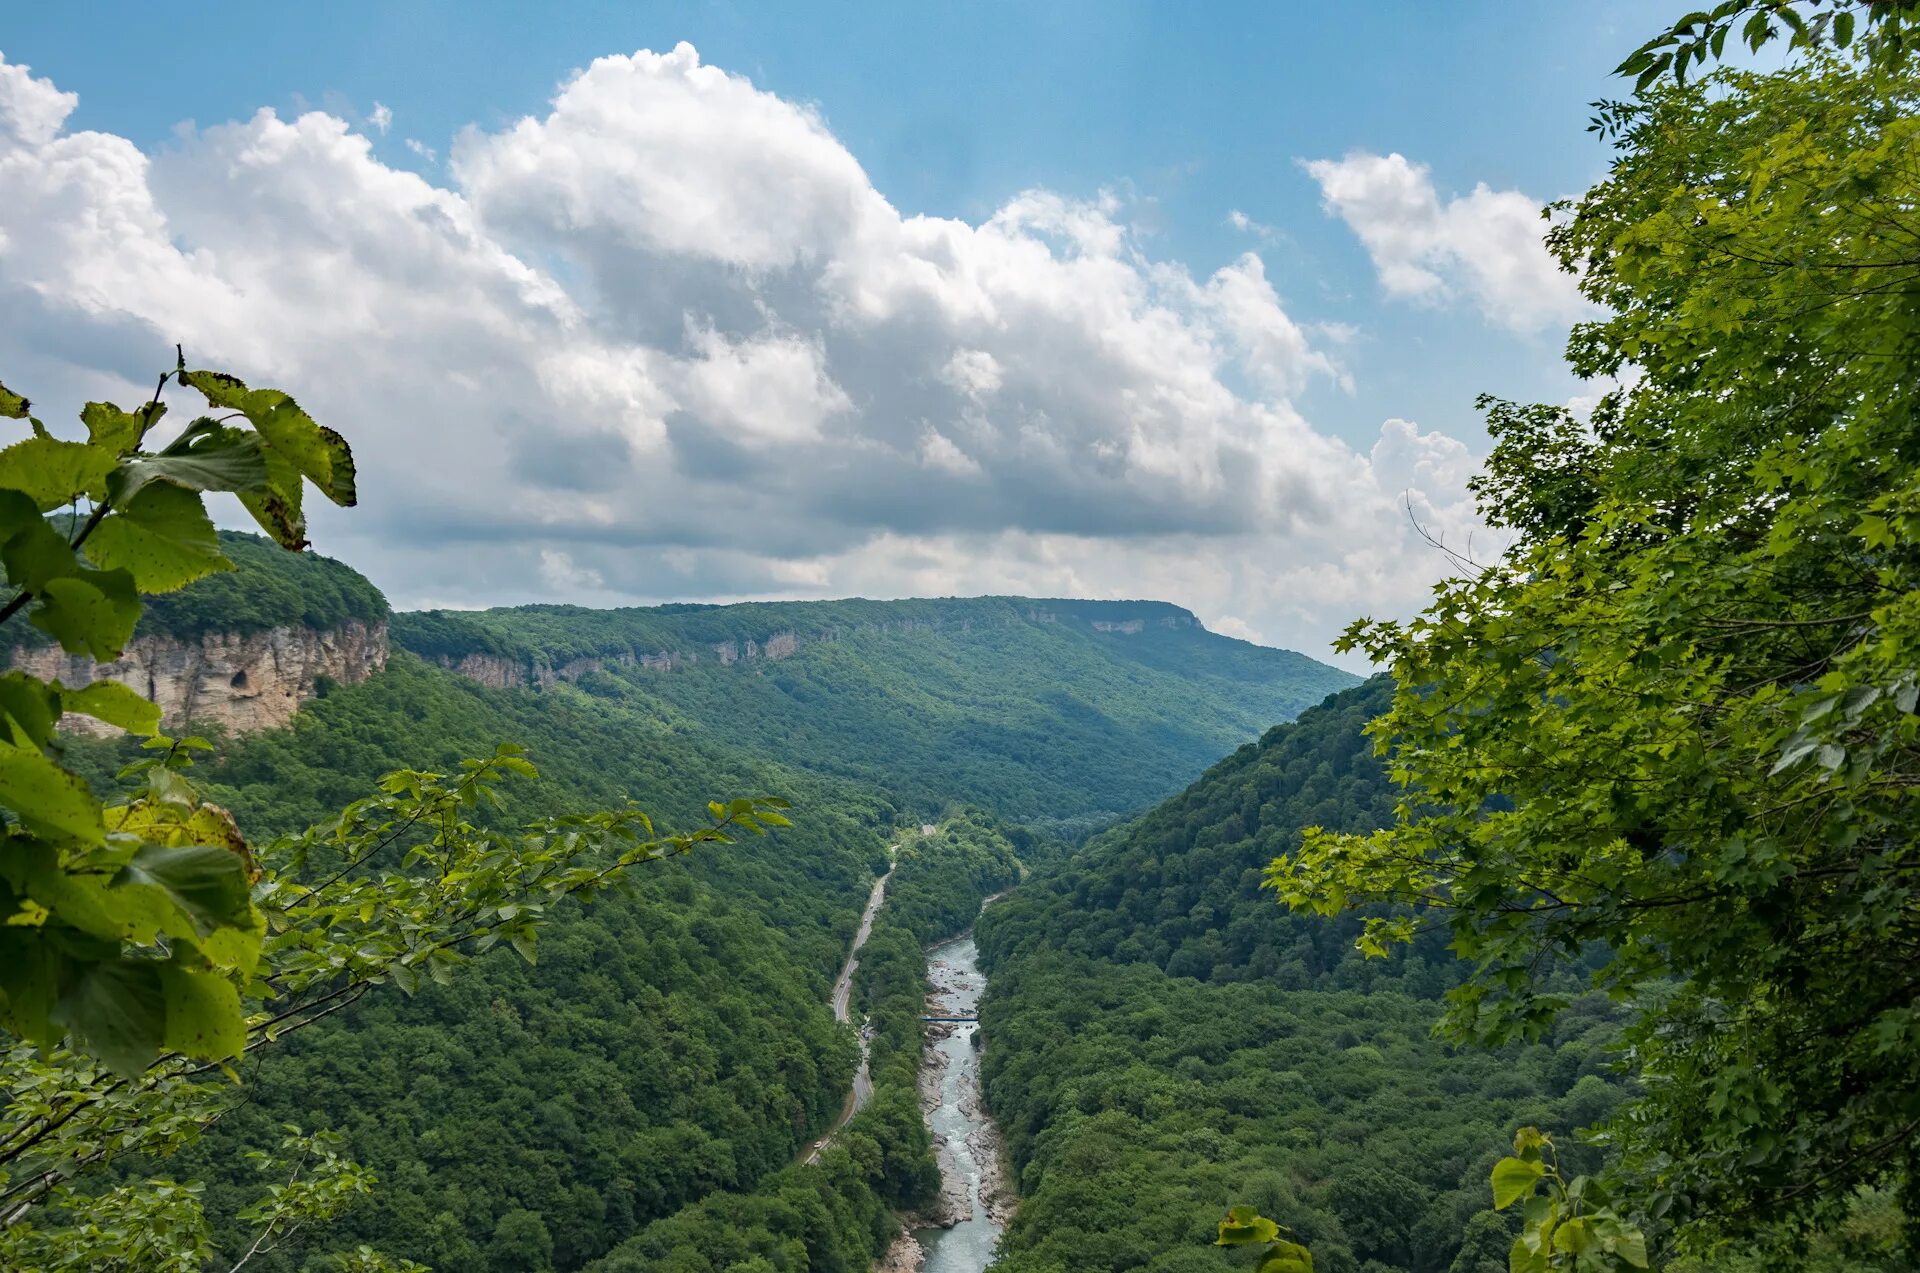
(243, 683)
(502, 671)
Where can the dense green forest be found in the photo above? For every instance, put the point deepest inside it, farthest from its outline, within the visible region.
(1163, 1039)
(1018, 705)
(668, 1042)
(838, 1216)
(669, 1050)
(268, 587)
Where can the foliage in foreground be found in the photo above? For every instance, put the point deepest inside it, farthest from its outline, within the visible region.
(1676, 723)
(128, 928)
(147, 946)
(400, 889)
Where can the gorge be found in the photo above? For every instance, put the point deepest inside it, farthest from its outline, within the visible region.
(690, 1048)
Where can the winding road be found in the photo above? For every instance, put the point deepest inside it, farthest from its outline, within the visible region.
(842, 1007)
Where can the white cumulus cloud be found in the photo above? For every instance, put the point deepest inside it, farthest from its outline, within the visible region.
(1485, 245)
(665, 339)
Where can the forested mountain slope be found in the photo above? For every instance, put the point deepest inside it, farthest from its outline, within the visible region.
(1060, 713)
(1164, 1040)
(669, 1041)
(672, 1047)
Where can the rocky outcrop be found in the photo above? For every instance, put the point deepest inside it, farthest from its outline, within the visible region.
(242, 683)
(501, 672)
(488, 669)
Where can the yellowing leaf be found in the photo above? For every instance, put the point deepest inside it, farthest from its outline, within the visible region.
(112, 429)
(320, 454)
(1245, 1226)
(203, 1014)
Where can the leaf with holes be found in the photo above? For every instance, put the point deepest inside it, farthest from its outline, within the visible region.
(276, 505)
(320, 454)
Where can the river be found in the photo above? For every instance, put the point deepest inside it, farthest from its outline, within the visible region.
(967, 1140)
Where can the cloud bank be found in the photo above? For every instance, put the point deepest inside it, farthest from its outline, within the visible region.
(668, 341)
(1485, 245)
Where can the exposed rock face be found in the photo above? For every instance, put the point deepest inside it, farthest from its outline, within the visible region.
(507, 673)
(504, 673)
(243, 683)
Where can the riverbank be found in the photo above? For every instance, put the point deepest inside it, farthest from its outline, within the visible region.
(959, 1232)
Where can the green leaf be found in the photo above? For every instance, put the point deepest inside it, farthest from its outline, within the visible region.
(47, 799)
(116, 1010)
(1574, 1236)
(226, 392)
(36, 554)
(29, 984)
(276, 505)
(1513, 1179)
(1287, 1257)
(1244, 1226)
(1631, 1246)
(207, 457)
(17, 512)
(320, 454)
(1522, 1258)
(203, 1014)
(12, 405)
(115, 430)
(162, 537)
(527, 944)
(93, 612)
(207, 884)
(116, 704)
(32, 709)
(404, 977)
(52, 473)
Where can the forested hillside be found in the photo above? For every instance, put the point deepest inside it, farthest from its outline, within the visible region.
(1059, 713)
(883, 1160)
(267, 588)
(672, 1044)
(669, 1042)
(1164, 1039)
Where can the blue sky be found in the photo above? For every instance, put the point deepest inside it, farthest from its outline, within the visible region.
(1175, 115)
